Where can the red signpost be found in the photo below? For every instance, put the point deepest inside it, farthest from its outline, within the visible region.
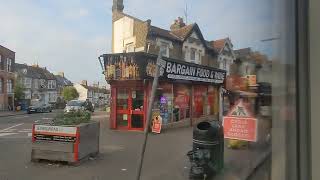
(240, 123)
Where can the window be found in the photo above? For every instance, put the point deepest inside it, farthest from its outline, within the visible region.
(9, 63)
(1, 62)
(164, 49)
(27, 82)
(51, 84)
(130, 47)
(193, 55)
(1, 86)
(52, 97)
(36, 83)
(9, 86)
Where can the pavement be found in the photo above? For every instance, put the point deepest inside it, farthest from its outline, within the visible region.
(165, 156)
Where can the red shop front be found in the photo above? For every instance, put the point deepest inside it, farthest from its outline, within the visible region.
(182, 98)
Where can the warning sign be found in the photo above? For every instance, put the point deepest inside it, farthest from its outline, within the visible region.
(240, 123)
(240, 128)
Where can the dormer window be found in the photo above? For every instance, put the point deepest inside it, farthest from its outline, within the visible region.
(193, 55)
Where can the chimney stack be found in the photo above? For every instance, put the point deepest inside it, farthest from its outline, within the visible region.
(84, 82)
(177, 24)
(61, 74)
(117, 5)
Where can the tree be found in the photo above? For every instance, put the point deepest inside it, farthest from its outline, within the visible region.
(69, 93)
(18, 90)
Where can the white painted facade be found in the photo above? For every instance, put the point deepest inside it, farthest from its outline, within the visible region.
(189, 47)
(123, 35)
(83, 92)
(226, 57)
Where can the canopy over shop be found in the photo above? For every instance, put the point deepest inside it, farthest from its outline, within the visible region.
(186, 93)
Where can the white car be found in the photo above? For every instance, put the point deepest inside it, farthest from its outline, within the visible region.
(74, 105)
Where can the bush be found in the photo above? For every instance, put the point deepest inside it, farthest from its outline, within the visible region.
(72, 118)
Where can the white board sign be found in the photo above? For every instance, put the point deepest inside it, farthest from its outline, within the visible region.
(43, 129)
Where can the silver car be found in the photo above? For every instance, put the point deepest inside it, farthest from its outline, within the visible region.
(75, 105)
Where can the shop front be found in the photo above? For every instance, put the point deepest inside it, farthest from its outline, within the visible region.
(186, 94)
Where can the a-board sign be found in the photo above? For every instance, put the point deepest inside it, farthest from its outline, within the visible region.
(240, 123)
(54, 133)
(156, 121)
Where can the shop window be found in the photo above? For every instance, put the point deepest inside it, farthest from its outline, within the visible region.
(137, 100)
(181, 108)
(164, 101)
(122, 99)
(200, 102)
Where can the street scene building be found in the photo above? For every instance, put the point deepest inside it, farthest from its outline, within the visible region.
(189, 87)
(99, 96)
(7, 78)
(38, 83)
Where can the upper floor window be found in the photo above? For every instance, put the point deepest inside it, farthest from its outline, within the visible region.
(1, 86)
(1, 63)
(9, 86)
(193, 55)
(130, 47)
(27, 82)
(36, 83)
(9, 64)
(51, 84)
(164, 49)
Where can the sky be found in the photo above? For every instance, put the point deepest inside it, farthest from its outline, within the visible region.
(69, 35)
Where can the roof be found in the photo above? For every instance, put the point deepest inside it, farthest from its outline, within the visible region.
(241, 53)
(162, 33)
(63, 81)
(184, 32)
(180, 34)
(96, 89)
(34, 72)
(6, 48)
(219, 44)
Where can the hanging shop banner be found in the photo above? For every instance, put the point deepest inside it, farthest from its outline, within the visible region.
(240, 123)
(54, 133)
(156, 121)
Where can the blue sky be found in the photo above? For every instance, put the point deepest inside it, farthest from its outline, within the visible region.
(69, 35)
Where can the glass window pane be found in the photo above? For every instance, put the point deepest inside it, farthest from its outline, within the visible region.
(122, 99)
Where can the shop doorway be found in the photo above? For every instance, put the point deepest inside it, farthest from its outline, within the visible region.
(130, 109)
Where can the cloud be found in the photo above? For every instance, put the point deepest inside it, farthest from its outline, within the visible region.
(37, 36)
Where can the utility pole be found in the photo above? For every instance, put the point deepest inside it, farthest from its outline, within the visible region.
(149, 115)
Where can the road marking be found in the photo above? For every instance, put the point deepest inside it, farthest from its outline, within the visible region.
(7, 134)
(47, 118)
(11, 127)
(21, 117)
(123, 169)
(29, 134)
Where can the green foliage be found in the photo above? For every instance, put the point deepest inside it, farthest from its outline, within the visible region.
(18, 90)
(72, 118)
(69, 93)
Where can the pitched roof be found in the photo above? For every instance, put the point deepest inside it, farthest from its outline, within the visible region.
(162, 33)
(34, 72)
(242, 53)
(184, 32)
(63, 81)
(219, 44)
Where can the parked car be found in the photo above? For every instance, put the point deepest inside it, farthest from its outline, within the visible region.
(40, 108)
(75, 105)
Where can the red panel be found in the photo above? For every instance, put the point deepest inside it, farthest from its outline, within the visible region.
(240, 128)
(113, 111)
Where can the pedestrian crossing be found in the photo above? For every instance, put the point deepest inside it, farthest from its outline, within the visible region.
(20, 130)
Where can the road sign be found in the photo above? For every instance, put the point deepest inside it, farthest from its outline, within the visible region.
(240, 128)
(240, 123)
(240, 109)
